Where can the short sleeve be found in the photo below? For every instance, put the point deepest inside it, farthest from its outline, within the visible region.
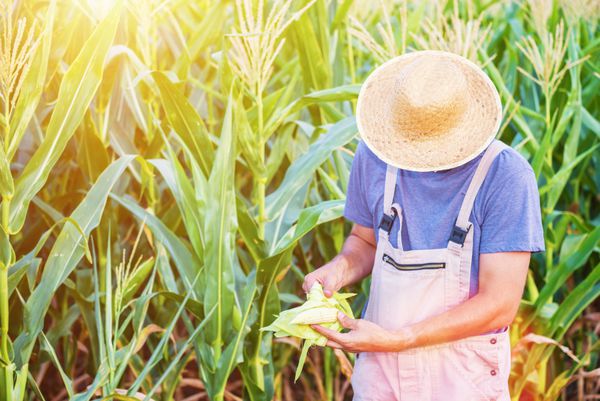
(357, 208)
(512, 217)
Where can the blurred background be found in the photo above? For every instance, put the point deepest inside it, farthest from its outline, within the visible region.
(171, 169)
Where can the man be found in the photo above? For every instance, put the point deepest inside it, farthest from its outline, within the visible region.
(445, 219)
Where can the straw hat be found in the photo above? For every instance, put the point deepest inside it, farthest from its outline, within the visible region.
(428, 110)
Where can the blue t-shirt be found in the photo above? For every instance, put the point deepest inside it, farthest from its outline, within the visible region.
(506, 215)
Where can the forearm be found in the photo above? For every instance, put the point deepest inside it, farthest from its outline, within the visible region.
(478, 315)
(356, 259)
(494, 306)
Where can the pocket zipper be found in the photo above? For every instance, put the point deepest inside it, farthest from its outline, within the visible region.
(423, 266)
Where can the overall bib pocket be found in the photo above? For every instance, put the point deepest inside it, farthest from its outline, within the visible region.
(403, 289)
(412, 267)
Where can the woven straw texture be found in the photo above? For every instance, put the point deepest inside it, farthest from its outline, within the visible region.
(428, 111)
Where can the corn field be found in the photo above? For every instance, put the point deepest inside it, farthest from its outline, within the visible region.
(171, 169)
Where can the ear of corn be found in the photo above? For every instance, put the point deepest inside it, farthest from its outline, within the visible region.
(318, 309)
(316, 316)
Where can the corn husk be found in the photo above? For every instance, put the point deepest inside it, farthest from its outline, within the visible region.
(296, 322)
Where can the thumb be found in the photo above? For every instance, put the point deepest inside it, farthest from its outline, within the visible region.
(346, 321)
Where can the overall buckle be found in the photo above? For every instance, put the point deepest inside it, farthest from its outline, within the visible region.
(458, 235)
(387, 221)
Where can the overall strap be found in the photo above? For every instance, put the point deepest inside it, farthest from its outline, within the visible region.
(390, 212)
(391, 175)
(462, 226)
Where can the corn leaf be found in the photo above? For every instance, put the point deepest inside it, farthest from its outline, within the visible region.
(337, 94)
(220, 228)
(186, 262)
(233, 353)
(93, 156)
(257, 367)
(184, 119)
(7, 186)
(184, 191)
(54, 358)
(309, 218)
(66, 254)
(77, 89)
(160, 348)
(302, 170)
(100, 378)
(557, 277)
(248, 229)
(575, 303)
(303, 354)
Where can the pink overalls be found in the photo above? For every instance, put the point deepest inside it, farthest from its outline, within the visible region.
(410, 286)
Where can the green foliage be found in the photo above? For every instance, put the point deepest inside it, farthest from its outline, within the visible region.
(222, 133)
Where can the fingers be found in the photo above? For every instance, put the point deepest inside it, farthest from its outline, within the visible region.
(346, 321)
(333, 344)
(309, 280)
(326, 282)
(327, 275)
(330, 334)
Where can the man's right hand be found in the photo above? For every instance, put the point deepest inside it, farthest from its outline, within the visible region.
(330, 275)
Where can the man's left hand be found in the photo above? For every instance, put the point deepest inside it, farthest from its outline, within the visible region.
(364, 336)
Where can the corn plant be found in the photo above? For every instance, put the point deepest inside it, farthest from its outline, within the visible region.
(210, 142)
(21, 85)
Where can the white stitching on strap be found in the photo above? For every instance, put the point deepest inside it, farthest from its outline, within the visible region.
(390, 187)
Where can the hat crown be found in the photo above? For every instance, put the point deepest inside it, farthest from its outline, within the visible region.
(432, 84)
(431, 98)
(428, 111)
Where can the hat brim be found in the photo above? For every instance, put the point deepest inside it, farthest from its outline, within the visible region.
(456, 146)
